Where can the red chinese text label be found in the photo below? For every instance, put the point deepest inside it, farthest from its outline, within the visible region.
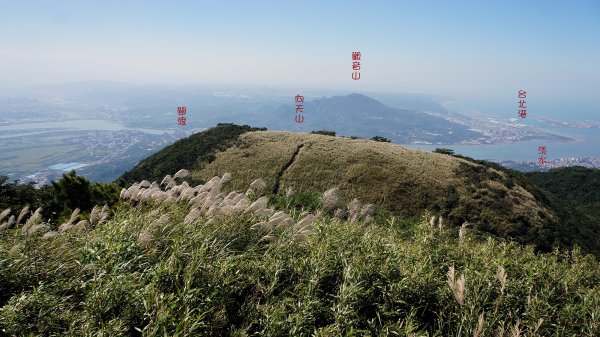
(522, 107)
(181, 111)
(542, 151)
(299, 109)
(356, 65)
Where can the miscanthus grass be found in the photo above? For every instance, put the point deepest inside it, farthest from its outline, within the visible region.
(151, 269)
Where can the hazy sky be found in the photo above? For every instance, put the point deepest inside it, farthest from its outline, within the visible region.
(480, 48)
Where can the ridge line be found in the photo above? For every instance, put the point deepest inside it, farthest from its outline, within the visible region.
(285, 167)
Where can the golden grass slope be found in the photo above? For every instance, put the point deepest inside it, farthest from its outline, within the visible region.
(402, 180)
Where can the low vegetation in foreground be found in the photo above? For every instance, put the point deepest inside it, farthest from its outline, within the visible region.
(192, 261)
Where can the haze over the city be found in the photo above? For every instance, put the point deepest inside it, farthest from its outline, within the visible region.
(464, 48)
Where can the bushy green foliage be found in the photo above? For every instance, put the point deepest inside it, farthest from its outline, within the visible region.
(443, 150)
(73, 191)
(15, 196)
(381, 139)
(59, 200)
(577, 187)
(303, 200)
(188, 153)
(140, 275)
(570, 226)
(324, 133)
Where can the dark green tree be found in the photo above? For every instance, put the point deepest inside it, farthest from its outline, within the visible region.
(15, 196)
(324, 132)
(449, 152)
(381, 139)
(74, 191)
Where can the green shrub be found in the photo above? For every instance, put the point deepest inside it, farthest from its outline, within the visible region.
(134, 275)
(324, 132)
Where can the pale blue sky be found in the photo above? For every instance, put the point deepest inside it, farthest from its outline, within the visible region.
(479, 48)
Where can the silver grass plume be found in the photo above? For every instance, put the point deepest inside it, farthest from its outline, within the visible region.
(94, 214)
(462, 231)
(4, 214)
(232, 195)
(500, 331)
(98, 215)
(260, 203)
(354, 208)
(8, 224)
(339, 213)
(187, 194)
(145, 238)
(264, 212)
(479, 331)
(214, 183)
(225, 178)
(281, 220)
(243, 203)
(192, 216)
(74, 216)
(250, 193)
(306, 223)
(285, 223)
(367, 212)
(456, 285)
(50, 235)
(144, 184)
(262, 226)
(331, 198)
(501, 274)
(515, 331)
(22, 214)
(14, 250)
(82, 226)
(69, 224)
(268, 238)
(170, 185)
(38, 229)
(159, 196)
(166, 180)
(238, 198)
(289, 192)
(258, 185)
(228, 209)
(441, 222)
(302, 235)
(163, 219)
(33, 219)
(432, 221)
(538, 325)
(181, 174)
(104, 213)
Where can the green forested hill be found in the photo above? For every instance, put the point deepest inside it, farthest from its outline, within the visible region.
(193, 151)
(578, 187)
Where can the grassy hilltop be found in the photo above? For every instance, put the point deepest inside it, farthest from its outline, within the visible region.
(403, 181)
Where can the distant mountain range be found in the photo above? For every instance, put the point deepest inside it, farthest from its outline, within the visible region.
(362, 116)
